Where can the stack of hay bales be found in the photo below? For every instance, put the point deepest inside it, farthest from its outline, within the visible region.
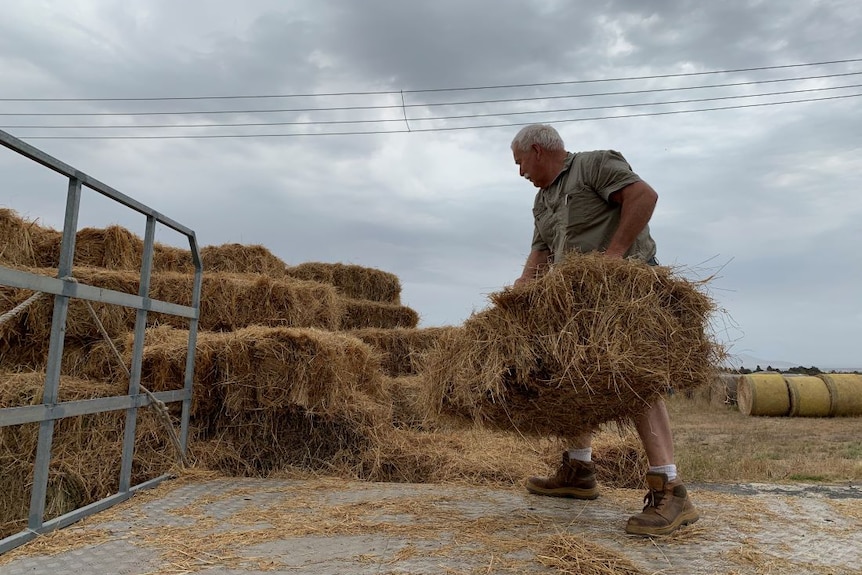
(279, 381)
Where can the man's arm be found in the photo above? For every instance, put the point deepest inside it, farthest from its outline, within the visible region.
(536, 266)
(637, 202)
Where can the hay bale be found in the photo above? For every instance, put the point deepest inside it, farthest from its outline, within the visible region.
(86, 450)
(18, 239)
(352, 281)
(268, 398)
(262, 369)
(809, 396)
(228, 302)
(363, 314)
(722, 389)
(239, 258)
(232, 301)
(845, 392)
(257, 443)
(113, 247)
(594, 340)
(763, 394)
(400, 348)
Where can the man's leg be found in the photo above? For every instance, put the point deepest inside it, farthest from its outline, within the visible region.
(667, 504)
(576, 476)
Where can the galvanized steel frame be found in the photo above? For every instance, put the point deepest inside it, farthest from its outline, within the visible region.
(63, 288)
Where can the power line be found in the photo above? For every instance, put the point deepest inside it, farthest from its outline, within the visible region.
(432, 118)
(427, 105)
(432, 90)
(444, 129)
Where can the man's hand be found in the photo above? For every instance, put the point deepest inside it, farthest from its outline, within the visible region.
(536, 266)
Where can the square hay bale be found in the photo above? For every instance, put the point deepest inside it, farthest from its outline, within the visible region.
(400, 347)
(262, 369)
(239, 258)
(227, 258)
(352, 281)
(18, 240)
(228, 302)
(113, 247)
(594, 340)
(362, 314)
(260, 442)
(27, 336)
(232, 301)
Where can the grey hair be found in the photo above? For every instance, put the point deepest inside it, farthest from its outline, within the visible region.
(542, 134)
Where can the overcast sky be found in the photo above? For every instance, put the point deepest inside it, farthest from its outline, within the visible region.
(766, 198)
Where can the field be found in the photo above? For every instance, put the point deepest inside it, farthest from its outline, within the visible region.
(715, 444)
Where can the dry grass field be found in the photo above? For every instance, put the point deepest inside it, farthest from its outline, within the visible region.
(720, 444)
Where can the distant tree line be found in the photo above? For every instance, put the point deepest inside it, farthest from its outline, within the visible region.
(800, 369)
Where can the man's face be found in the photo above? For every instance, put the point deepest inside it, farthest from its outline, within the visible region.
(530, 165)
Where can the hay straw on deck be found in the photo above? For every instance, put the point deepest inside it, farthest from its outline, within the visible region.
(594, 340)
(574, 555)
(352, 281)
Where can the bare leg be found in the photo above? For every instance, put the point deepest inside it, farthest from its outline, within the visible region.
(583, 441)
(654, 430)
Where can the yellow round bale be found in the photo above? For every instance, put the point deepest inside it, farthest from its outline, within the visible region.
(845, 392)
(763, 394)
(809, 396)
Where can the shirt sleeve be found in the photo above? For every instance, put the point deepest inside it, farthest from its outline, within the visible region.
(538, 243)
(606, 172)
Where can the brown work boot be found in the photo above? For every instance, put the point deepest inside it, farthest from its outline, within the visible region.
(667, 508)
(573, 479)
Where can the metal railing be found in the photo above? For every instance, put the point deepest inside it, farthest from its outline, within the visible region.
(63, 288)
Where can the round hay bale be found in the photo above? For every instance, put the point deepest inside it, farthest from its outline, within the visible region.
(809, 396)
(845, 392)
(763, 394)
(723, 389)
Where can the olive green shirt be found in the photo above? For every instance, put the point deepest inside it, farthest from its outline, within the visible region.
(575, 211)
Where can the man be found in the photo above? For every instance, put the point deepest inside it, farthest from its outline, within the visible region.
(593, 201)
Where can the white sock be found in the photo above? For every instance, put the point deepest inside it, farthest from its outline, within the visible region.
(669, 470)
(585, 454)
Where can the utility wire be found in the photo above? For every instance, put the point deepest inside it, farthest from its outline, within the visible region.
(444, 129)
(426, 105)
(429, 118)
(432, 90)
